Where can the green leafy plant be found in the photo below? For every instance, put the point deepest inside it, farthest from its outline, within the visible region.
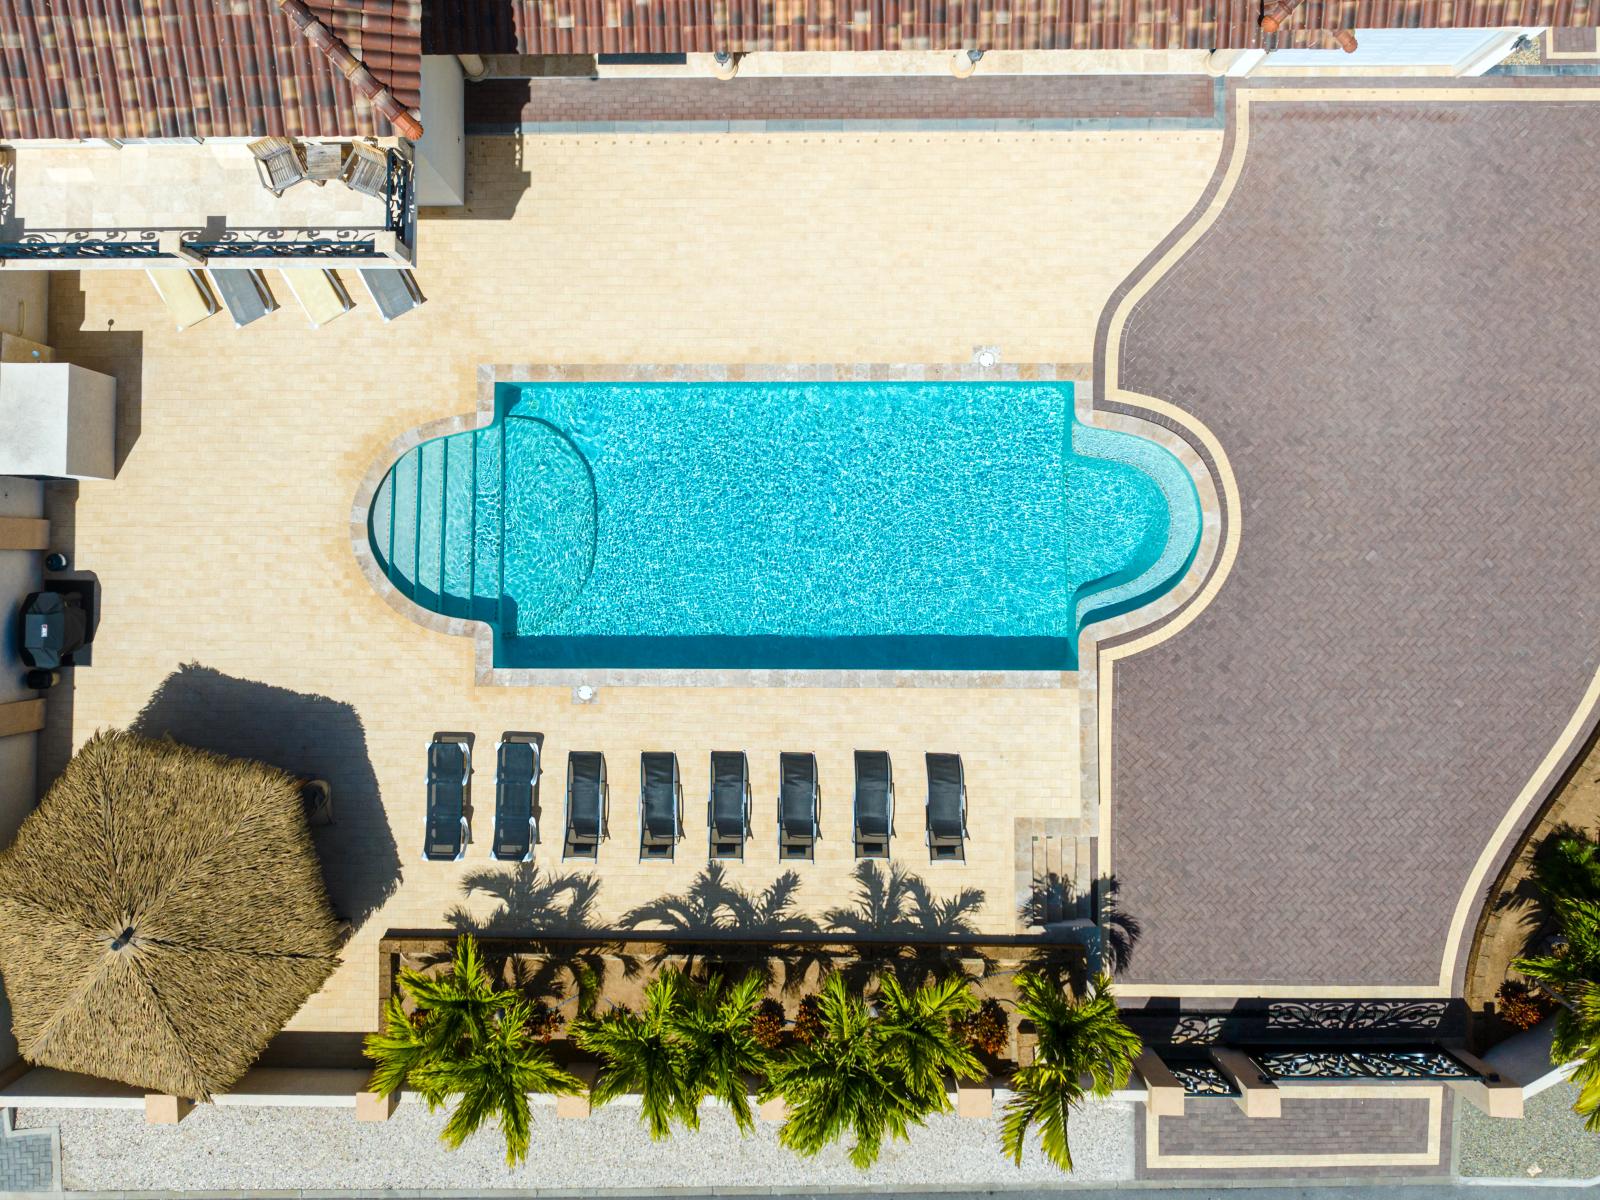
(1566, 873)
(870, 1076)
(467, 1041)
(639, 1053)
(1079, 1038)
(716, 1028)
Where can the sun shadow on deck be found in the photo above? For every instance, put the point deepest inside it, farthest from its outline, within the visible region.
(307, 735)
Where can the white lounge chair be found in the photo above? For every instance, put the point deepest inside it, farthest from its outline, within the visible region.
(243, 292)
(185, 294)
(320, 294)
(394, 290)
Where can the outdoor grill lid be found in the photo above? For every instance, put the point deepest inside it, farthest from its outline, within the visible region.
(53, 626)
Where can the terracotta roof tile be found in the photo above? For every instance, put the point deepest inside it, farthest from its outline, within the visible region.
(681, 26)
(196, 68)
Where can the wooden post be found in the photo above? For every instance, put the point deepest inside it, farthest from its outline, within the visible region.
(577, 1107)
(1491, 1092)
(21, 716)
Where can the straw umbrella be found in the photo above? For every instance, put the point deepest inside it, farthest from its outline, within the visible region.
(162, 915)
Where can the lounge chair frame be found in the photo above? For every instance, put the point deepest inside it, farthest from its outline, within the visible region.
(873, 844)
(575, 845)
(726, 833)
(802, 790)
(949, 843)
(654, 844)
(504, 811)
(386, 292)
(435, 779)
(235, 287)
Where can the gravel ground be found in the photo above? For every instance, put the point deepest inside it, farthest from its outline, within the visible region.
(223, 1149)
(1548, 1143)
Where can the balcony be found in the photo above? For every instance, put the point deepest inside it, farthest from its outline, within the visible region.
(92, 205)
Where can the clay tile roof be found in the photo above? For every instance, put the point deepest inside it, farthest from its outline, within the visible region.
(685, 26)
(197, 68)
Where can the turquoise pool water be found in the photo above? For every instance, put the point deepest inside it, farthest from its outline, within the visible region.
(785, 525)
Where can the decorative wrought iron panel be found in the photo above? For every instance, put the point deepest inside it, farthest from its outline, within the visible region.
(1324, 1063)
(1201, 1079)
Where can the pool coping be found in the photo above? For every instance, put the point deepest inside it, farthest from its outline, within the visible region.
(491, 374)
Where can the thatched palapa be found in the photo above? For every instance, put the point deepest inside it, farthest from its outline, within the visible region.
(162, 915)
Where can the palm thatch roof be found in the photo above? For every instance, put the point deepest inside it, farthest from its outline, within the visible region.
(162, 915)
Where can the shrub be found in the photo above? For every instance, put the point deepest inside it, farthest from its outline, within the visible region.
(544, 1022)
(988, 1030)
(808, 1020)
(1521, 1006)
(767, 1025)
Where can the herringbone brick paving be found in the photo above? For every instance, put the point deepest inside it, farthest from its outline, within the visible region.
(1389, 329)
(27, 1160)
(511, 102)
(1311, 1131)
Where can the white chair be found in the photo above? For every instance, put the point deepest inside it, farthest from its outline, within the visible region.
(393, 290)
(319, 293)
(185, 294)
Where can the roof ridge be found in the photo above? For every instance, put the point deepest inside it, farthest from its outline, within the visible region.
(361, 80)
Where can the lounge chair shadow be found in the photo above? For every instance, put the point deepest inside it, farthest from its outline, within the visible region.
(308, 735)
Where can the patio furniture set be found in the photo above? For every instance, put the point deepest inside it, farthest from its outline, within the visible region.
(283, 162)
(244, 293)
(519, 767)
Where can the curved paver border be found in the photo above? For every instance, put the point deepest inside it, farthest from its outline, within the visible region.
(1109, 395)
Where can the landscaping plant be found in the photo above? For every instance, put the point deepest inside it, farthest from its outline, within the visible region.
(1566, 872)
(692, 1041)
(469, 1042)
(870, 1076)
(1080, 1038)
(767, 1028)
(987, 1030)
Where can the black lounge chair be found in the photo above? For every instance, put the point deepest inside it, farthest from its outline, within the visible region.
(516, 796)
(728, 810)
(874, 822)
(947, 808)
(797, 806)
(588, 804)
(446, 834)
(660, 805)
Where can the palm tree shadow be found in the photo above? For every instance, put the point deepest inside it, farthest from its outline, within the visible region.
(901, 922)
(715, 909)
(1110, 941)
(529, 902)
(1552, 872)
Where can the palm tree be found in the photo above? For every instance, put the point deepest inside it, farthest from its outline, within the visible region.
(460, 1003)
(919, 1036)
(1079, 1037)
(493, 1078)
(841, 1082)
(470, 1040)
(1566, 874)
(713, 1027)
(641, 1054)
(402, 1046)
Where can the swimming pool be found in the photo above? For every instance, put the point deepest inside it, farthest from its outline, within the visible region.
(911, 526)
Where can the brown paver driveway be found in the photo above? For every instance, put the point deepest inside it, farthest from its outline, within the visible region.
(1391, 331)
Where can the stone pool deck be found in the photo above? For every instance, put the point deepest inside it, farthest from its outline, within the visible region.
(236, 616)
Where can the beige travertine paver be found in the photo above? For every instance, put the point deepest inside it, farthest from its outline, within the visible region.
(225, 538)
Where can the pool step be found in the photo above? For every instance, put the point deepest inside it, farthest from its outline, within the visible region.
(1063, 883)
(434, 514)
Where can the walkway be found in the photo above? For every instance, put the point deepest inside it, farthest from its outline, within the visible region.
(504, 105)
(1389, 331)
